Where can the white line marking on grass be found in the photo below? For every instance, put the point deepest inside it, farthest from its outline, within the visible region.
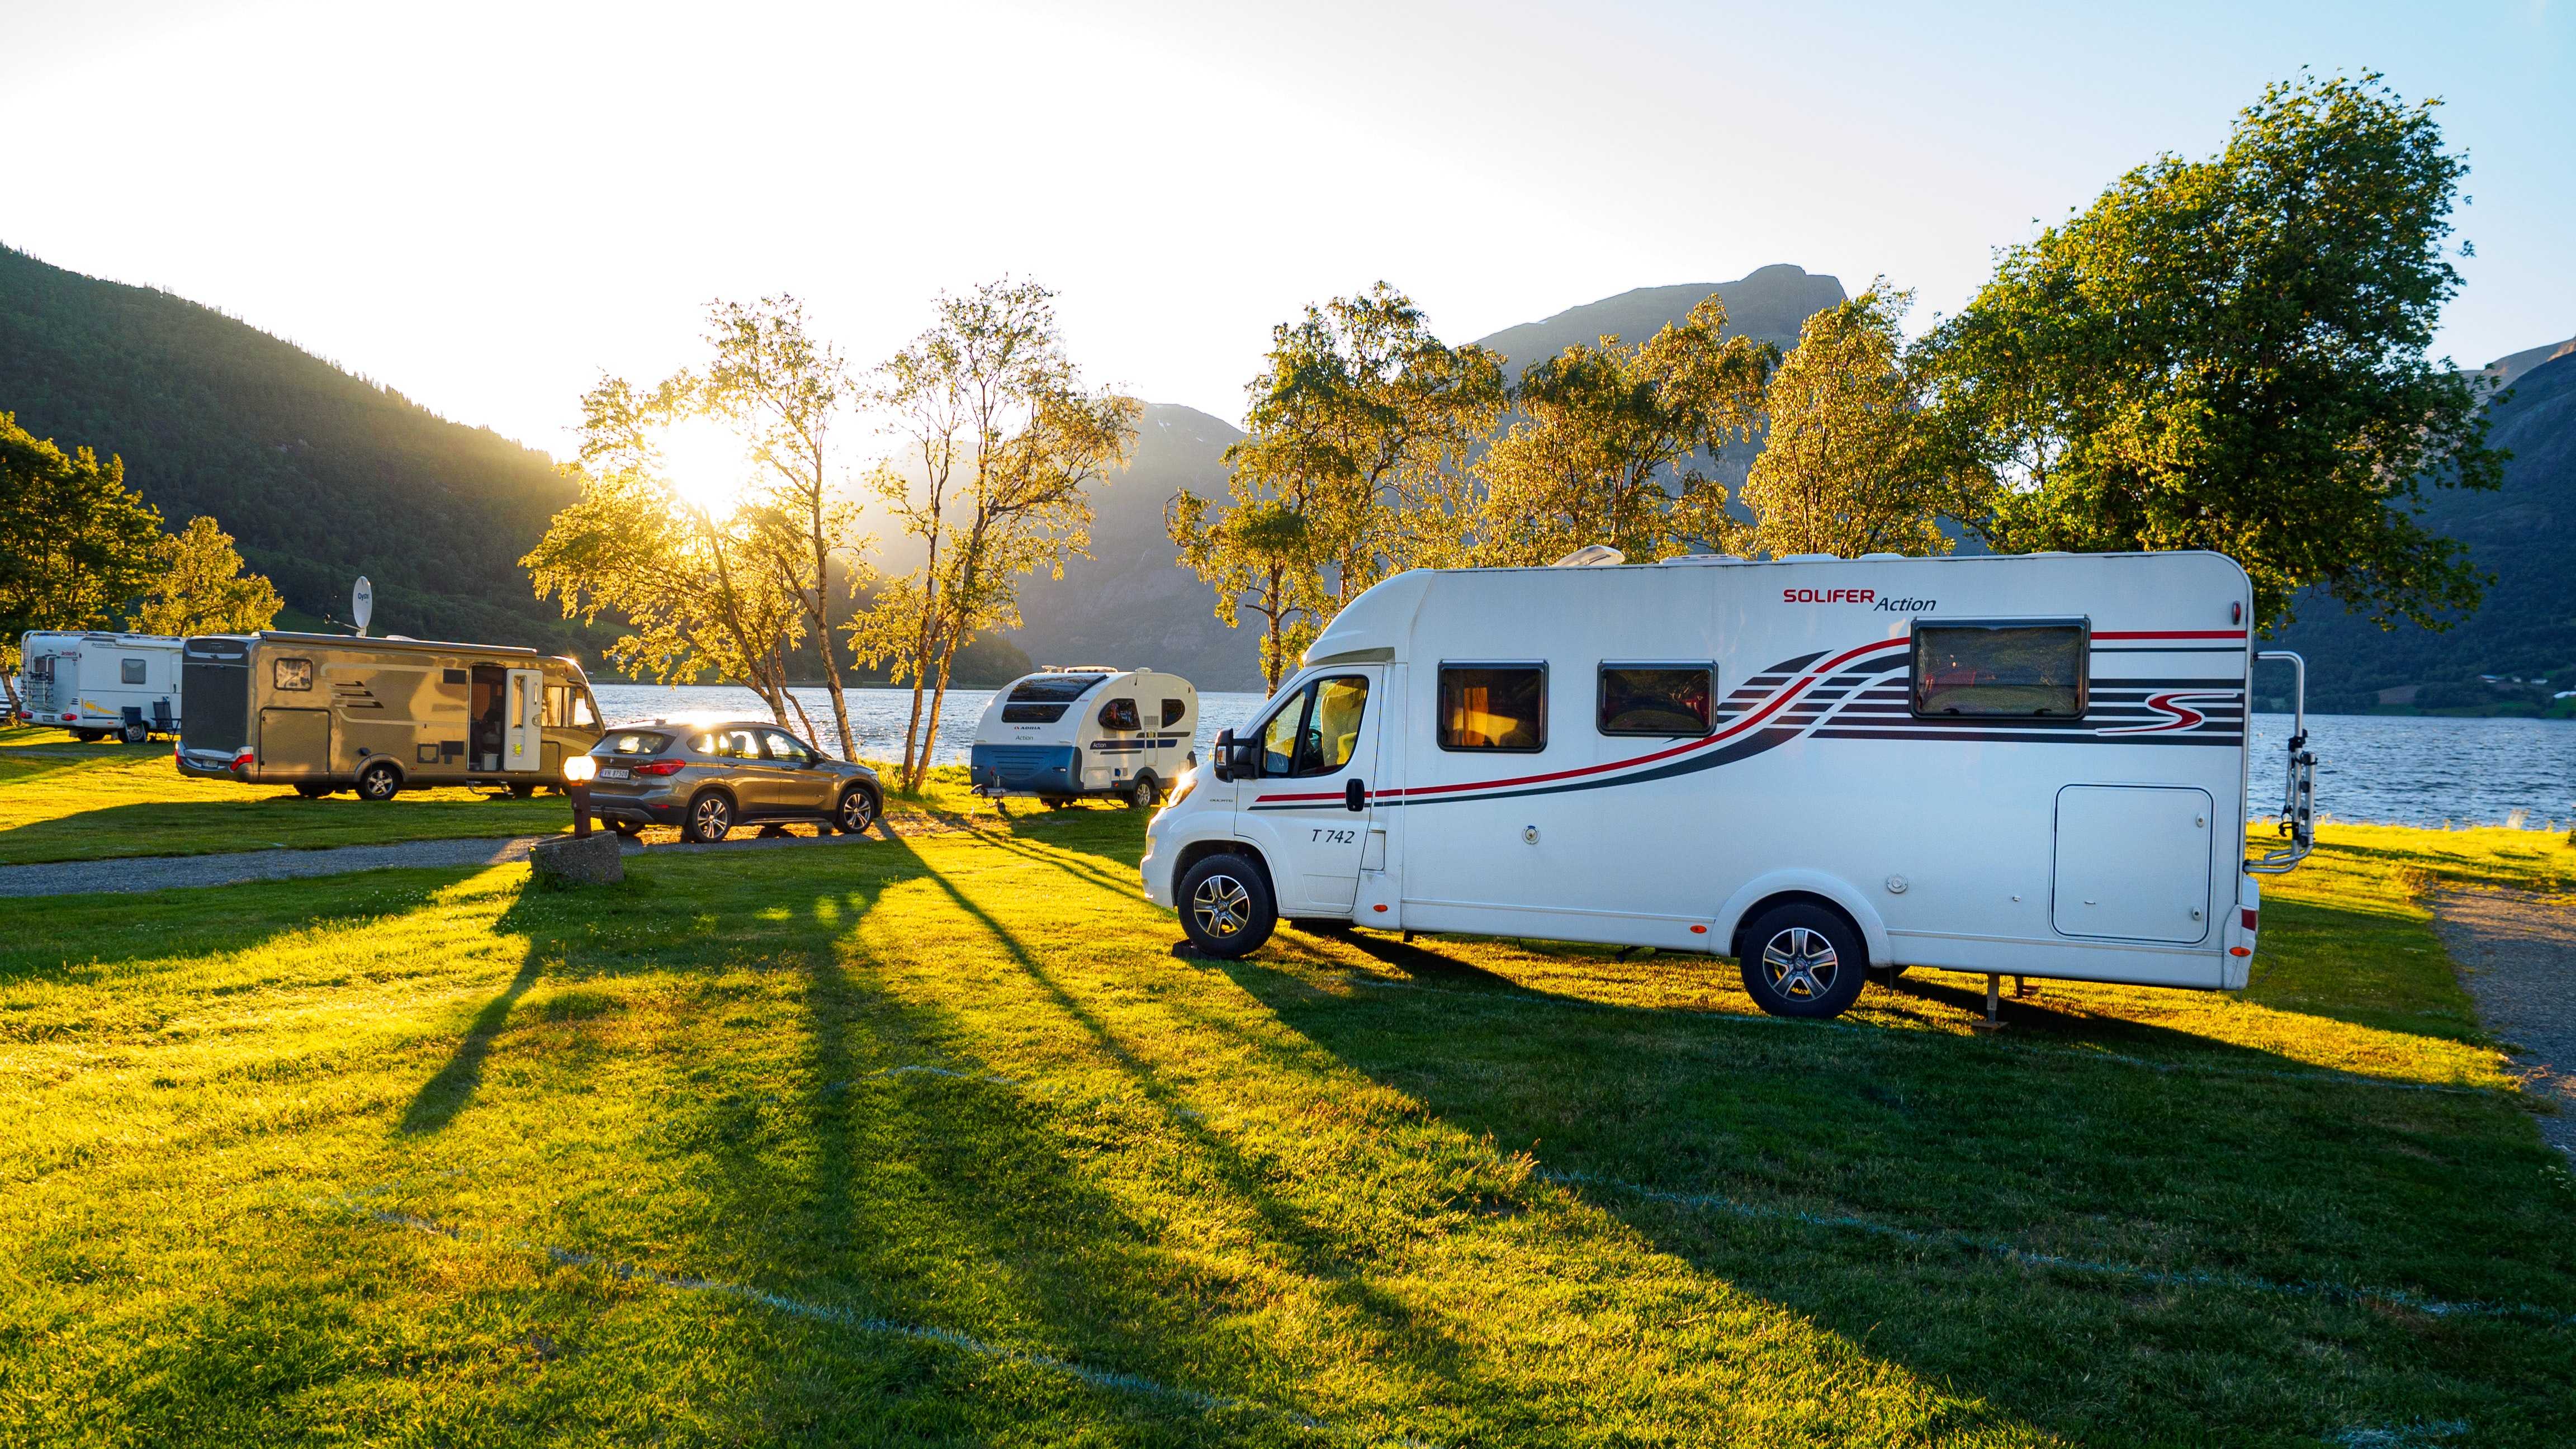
(1101, 1378)
(2162, 1277)
(1917, 1038)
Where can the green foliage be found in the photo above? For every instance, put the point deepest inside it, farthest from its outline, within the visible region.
(1851, 463)
(76, 545)
(1608, 447)
(2230, 354)
(320, 475)
(202, 589)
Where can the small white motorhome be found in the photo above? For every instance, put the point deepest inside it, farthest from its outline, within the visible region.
(99, 685)
(2030, 765)
(1067, 732)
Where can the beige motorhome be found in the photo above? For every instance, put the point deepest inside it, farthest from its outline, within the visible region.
(324, 712)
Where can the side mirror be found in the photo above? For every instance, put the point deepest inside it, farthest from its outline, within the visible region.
(1221, 762)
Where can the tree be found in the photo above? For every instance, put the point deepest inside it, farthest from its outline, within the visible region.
(1603, 451)
(1851, 462)
(2230, 354)
(1007, 441)
(75, 543)
(202, 589)
(1353, 467)
(782, 391)
(688, 576)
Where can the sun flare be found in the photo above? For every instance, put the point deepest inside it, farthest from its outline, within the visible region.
(705, 464)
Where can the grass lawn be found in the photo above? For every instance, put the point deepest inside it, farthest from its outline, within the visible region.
(63, 800)
(936, 1141)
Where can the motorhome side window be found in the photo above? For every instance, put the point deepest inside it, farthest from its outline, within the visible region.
(1656, 699)
(1318, 731)
(292, 674)
(129, 671)
(2017, 670)
(1493, 707)
(1120, 714)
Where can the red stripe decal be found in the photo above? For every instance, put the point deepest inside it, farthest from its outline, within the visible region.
(2169, 634)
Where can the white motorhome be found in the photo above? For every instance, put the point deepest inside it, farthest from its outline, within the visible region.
(1066, 732)
(98, 685)
(2031, 766)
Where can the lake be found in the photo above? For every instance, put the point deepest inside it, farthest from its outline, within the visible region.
(2369, 767)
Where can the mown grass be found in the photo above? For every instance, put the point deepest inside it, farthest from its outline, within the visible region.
(425, 1157)
(61, 800)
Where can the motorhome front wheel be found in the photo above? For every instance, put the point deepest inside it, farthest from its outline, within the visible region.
(1802, 960)
(1226, 909)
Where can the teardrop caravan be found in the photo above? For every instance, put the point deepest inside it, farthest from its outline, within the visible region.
(1086, 730)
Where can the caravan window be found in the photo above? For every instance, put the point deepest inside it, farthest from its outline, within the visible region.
(1318, 730)
(1657, 699)
(1493, 707)
(1120, 714)
(292, 674)
(129, 671)
(1043, 698)
(2007, 669)
(1173, 709)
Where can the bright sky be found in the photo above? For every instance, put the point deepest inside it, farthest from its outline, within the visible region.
(486, 206)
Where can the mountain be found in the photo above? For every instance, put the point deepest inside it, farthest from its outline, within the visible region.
(2506, 370)
(2524, 534)
(320, 476)
(1130, 604)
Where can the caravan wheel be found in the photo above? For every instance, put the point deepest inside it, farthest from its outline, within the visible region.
(1803, 960)
(135, 733)
(1143, 793)
(379, 781)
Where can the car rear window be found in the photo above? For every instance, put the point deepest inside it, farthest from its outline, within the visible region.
(637, 742)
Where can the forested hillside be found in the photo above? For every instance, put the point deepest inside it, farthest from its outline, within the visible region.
(2524, 534)
(321, 476)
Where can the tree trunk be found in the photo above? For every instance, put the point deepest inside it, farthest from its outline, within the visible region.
(9, 682)
(930, 736)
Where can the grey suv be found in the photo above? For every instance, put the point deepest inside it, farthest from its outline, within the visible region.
(708, 776)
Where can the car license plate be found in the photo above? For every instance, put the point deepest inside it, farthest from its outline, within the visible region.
(614, 772)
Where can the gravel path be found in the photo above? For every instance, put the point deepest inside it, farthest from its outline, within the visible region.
(2517, 956)
(173, 872)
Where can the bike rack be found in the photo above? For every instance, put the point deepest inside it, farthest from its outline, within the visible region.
(2299, 788)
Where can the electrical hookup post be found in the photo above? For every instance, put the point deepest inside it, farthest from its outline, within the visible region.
(362, 604)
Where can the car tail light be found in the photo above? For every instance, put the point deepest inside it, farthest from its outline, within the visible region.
(661, 767)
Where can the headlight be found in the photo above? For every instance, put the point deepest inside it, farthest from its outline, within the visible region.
(1188, 781)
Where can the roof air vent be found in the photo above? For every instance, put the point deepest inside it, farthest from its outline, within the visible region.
(1592, 555)
(1809, 558)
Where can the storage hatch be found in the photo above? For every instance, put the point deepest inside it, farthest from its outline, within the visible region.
(2133, 862)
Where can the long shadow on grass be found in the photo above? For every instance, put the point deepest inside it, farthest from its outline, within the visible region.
(2043, 1150)
(115, 929)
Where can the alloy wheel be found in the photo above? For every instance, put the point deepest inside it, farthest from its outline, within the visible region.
(1800, 963)
(1221, 906)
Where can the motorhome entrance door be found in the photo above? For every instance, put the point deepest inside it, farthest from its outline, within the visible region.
(1319, 754)
(523, 743)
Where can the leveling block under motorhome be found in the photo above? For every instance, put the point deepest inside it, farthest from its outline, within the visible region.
(2030, 766)
(1070, 731)
(98, 684)
(324, 712)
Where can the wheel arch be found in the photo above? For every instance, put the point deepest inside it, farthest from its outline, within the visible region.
(1198, 850)
(1813, 887)
(402, 777)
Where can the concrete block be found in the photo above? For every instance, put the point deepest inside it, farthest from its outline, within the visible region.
(570, 861)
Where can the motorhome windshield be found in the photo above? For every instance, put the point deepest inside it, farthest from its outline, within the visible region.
(1043, 698)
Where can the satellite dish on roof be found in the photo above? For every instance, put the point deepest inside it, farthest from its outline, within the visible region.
(362, 604)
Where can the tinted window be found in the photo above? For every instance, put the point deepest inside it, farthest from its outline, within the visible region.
(638, 742)
(129, 671)
(1033, 713)
(1120, 714)
(786, 748)
(1173, 709)
(1493, 707)
(1999, 669)
(1054, 688)
(1656, 699)
(728, 744)
(292, 673)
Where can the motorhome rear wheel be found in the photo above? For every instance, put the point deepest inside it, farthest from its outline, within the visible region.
(379, 781)
(1802, 960)
(1226, 906)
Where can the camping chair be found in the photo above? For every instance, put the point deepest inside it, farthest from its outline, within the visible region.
(162, 724)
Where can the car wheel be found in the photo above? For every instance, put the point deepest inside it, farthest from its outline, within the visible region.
(379, 781)
(313, 792)
(1802, 960)
(1226, 909)
(1143, 793)
(710, 818)
(856, 812)
(135, 733)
